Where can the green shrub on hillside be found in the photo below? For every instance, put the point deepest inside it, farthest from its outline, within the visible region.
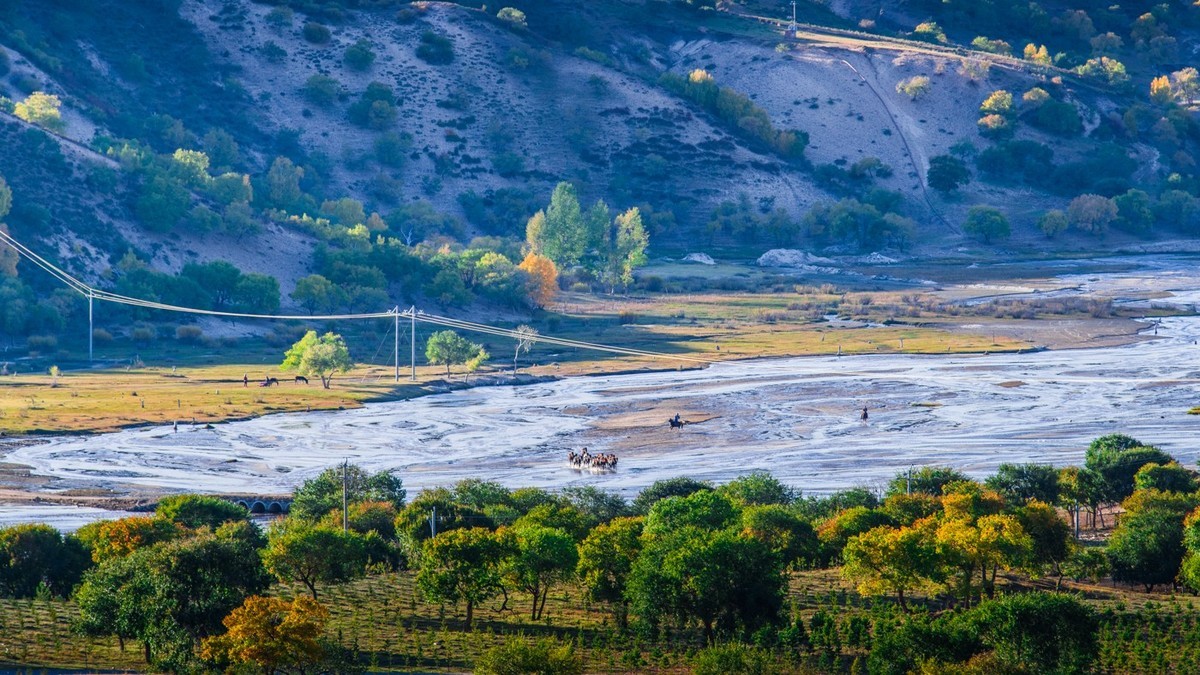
(320, 90)
(316, 33)
(435, 49)
(737, 110)
(360, 55)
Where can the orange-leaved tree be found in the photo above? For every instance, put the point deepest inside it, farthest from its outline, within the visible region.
(543, 278)
(271, 634)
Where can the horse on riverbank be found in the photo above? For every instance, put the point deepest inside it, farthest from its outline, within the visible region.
(599, 462)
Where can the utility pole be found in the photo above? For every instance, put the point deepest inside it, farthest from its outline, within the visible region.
(91, 329)
(396, 342)
(792, 27)
(412, 340)
(345, 464)
(433, 522)
(908, 481)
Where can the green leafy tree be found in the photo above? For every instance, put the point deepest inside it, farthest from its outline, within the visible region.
(908, 509)
(450, 349)
(667, 487)
(1104, 68)
(758, 488)
(1039, 632)
(597, 506)
(1116, 462)
(1134, 212)
(1053, 223)
(316, 33)
(1020, 483)
(283, 183)
(191, 167)
(438, 506)
(462, 565)
(1170, 477)
(1051, 536)
(321, 356)
(173, 595)
(726, 583)
(113, 602)
(8, 256)
(560, 232)
(435, 49)
(947, 173)
(1189, 571)
(346, 211)
(1147, 547)
(162, 202)
(555, 513)
(195, 511)
(926, 480)
(540, 558)
(231, 188)
(988, 223)
(39, 556)
(606, 558)
(785, 531)
(629, 247)
(218, 278)
(313, 554)
(257, 293)
(316, 294)
(704, 510)
(222, 149)
(318, 496)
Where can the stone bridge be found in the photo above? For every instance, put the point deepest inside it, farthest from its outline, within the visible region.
(261, 504)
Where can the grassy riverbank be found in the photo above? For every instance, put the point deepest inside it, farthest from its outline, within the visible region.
(194, 388)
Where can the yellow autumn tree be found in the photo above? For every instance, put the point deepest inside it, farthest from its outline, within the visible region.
(270, 634)
(975, 536)
(1160, 90)
(890, 560)
(543, 278)
(1038, 55)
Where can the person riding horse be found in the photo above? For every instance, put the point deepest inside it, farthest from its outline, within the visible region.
(584, 460)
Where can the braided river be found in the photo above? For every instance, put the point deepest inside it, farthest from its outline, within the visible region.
(797, 417)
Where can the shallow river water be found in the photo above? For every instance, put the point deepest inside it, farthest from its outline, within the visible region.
(798, 418)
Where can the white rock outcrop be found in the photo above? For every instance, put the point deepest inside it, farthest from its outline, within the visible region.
(702, 258)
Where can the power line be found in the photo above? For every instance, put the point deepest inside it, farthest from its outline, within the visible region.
(415, 315)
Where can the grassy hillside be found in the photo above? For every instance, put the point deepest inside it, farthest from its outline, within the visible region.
(380, 144)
